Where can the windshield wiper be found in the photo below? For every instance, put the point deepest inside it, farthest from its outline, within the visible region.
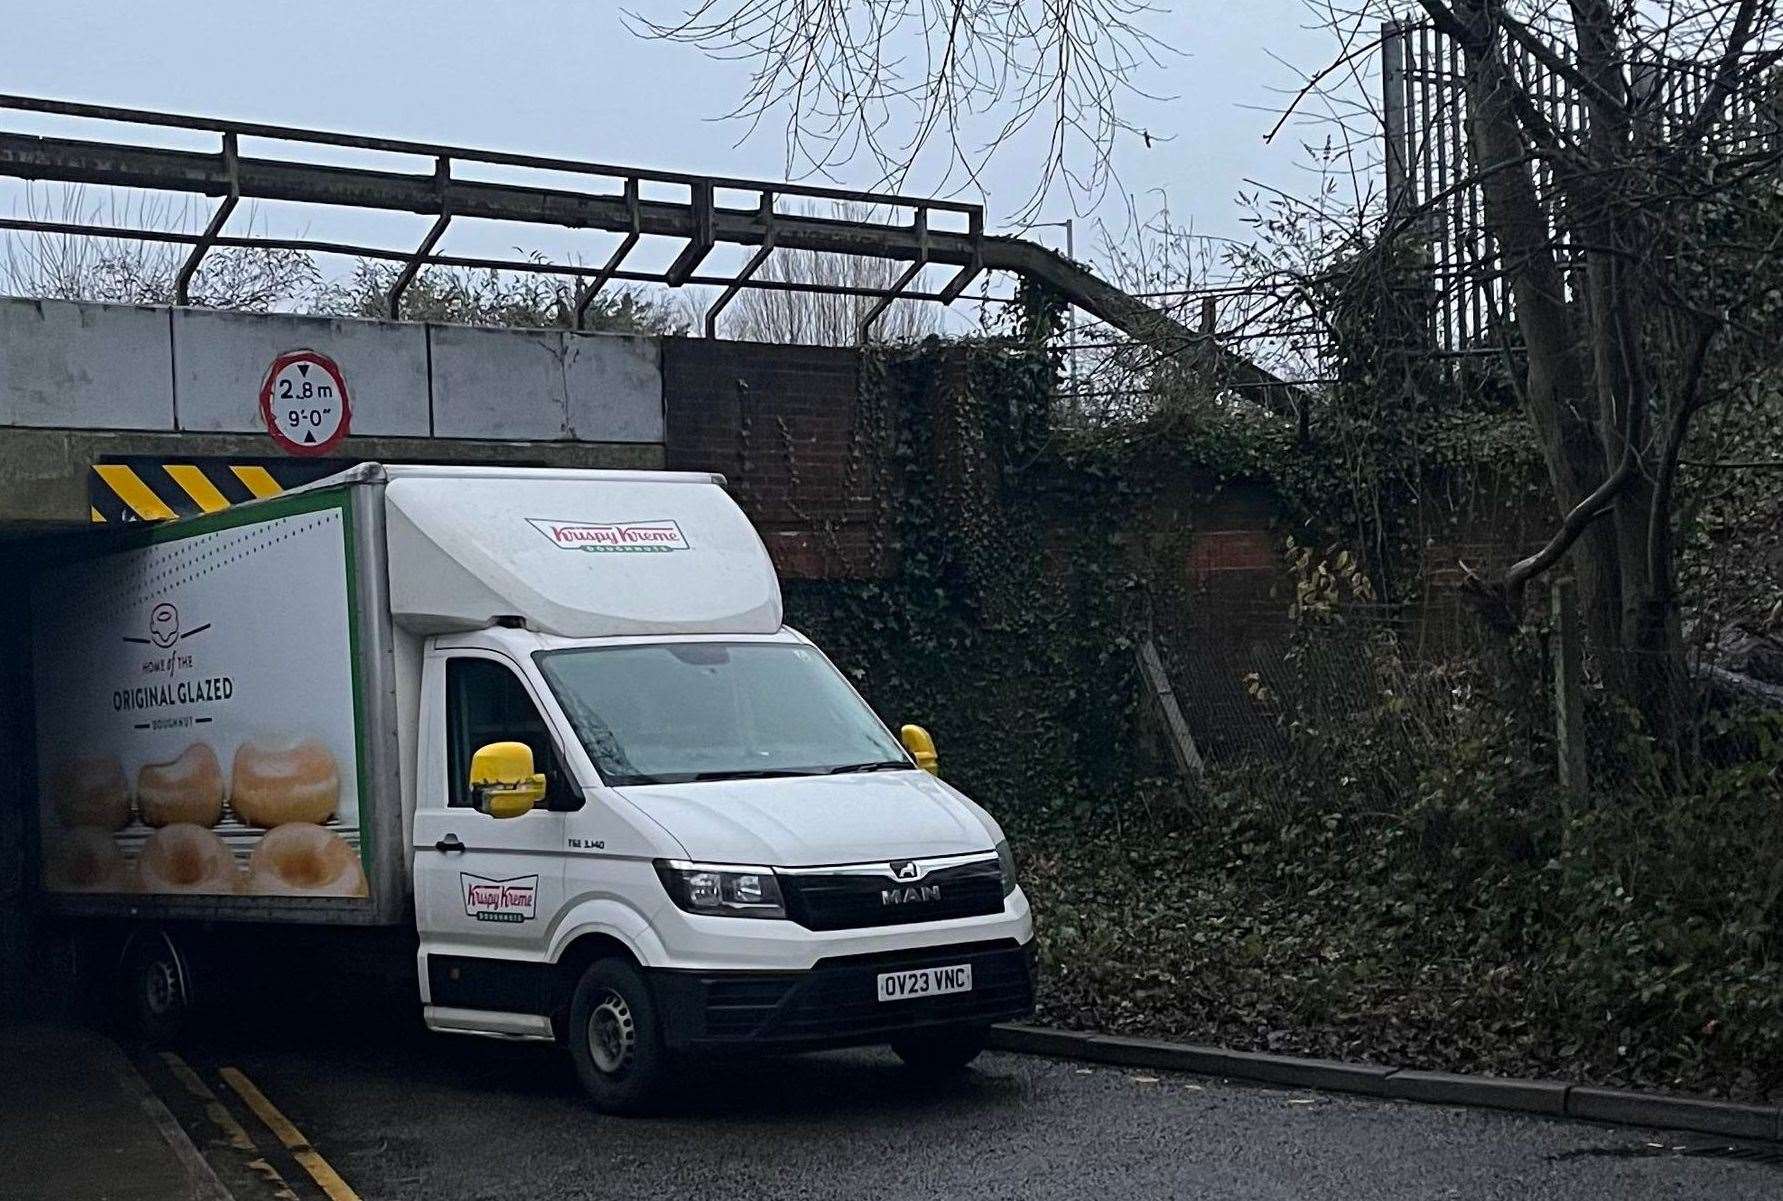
(872, 765)
(773, 773)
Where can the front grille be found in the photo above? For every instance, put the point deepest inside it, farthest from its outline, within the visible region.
(736, 1008)
(858, 901)
(837, 1002)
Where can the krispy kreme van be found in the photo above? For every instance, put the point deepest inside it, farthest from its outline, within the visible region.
(551, 722)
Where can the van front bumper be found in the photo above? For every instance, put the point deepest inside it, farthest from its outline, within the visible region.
(836, 1002)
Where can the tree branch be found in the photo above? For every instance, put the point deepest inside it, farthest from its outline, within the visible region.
(1505, 601)
(1545, 55)
(1659, 515)
(1446, 22)
(1726, 72)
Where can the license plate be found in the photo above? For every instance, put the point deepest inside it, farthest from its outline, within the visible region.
(925, 982)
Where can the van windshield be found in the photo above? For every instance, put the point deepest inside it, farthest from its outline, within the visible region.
(675, 712)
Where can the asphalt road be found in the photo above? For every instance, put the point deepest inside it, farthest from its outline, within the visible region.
(402, 1115)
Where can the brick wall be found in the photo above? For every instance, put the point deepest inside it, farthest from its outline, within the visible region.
(779, 422)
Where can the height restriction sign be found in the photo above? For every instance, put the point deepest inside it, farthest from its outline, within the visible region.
(304, 402)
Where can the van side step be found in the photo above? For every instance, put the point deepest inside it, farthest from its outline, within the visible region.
(490, 1023)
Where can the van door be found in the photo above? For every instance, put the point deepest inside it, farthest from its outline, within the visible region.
(484, 886)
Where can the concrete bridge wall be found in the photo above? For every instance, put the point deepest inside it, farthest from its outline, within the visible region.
(72, 365)
(80, 382)
(84, 383)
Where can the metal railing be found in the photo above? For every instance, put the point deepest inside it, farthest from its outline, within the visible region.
(918, 232)
(614, 202)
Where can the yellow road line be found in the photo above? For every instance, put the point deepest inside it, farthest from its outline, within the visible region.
(325, 1176)
(133, 492)
(238, 1138)
(232, 1129)
(258, 480)
(197, 486)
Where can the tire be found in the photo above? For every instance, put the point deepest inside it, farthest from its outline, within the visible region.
(941, 1050)
(156, 985)
(616, 1041)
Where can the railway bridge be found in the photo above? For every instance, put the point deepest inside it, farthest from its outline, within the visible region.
(114, 414)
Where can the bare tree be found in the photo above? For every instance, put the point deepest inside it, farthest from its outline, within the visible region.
(818, 318)
(903, 81)
(1637, 247)
(1253, 295)
(1635, 250)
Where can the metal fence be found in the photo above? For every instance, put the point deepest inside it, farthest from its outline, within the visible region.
(1429, 180)
(1365, 711)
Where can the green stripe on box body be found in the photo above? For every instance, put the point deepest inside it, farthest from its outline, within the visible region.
(366, 831)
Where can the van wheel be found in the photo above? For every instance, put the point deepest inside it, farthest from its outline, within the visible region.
(157, 988)
(941, 1050)
(615, 1040)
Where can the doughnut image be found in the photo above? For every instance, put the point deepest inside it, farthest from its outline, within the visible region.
(187, 858)
(186, 789)
(85, 860)
(90, 790)
(303, 859)
(284, 780)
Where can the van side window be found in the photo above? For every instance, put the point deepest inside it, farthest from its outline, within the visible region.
(486, 702)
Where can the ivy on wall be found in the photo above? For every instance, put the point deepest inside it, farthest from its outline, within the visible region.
(995, 630)
(1025, 561)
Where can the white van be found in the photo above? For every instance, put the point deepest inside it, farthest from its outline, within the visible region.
(549, 718)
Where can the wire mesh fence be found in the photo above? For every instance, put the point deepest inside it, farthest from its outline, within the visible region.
(1361, 711)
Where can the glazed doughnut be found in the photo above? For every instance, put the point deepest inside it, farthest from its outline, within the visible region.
(303, 859)
(85, 860)
(284, 780)
(90, 790)
(186, 789)
(187, 858)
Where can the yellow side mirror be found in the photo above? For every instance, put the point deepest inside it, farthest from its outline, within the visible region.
(922, 748)
(503, 781)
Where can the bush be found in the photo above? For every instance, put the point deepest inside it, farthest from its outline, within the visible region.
(1634, 943)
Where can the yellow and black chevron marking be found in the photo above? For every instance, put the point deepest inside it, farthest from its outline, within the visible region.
(150, 488)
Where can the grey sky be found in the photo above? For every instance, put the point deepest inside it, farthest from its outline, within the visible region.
(564, 77)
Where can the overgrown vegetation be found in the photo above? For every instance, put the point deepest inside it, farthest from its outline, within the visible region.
(1395, 873)
(1398, 872)
(982, 634)
(1469, 928)
(467, 296)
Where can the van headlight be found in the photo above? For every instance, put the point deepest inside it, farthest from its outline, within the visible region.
(1006, 861)
(722, 889)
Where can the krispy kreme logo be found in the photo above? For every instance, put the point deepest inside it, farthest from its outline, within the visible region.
(620, 536)
(489, 900)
